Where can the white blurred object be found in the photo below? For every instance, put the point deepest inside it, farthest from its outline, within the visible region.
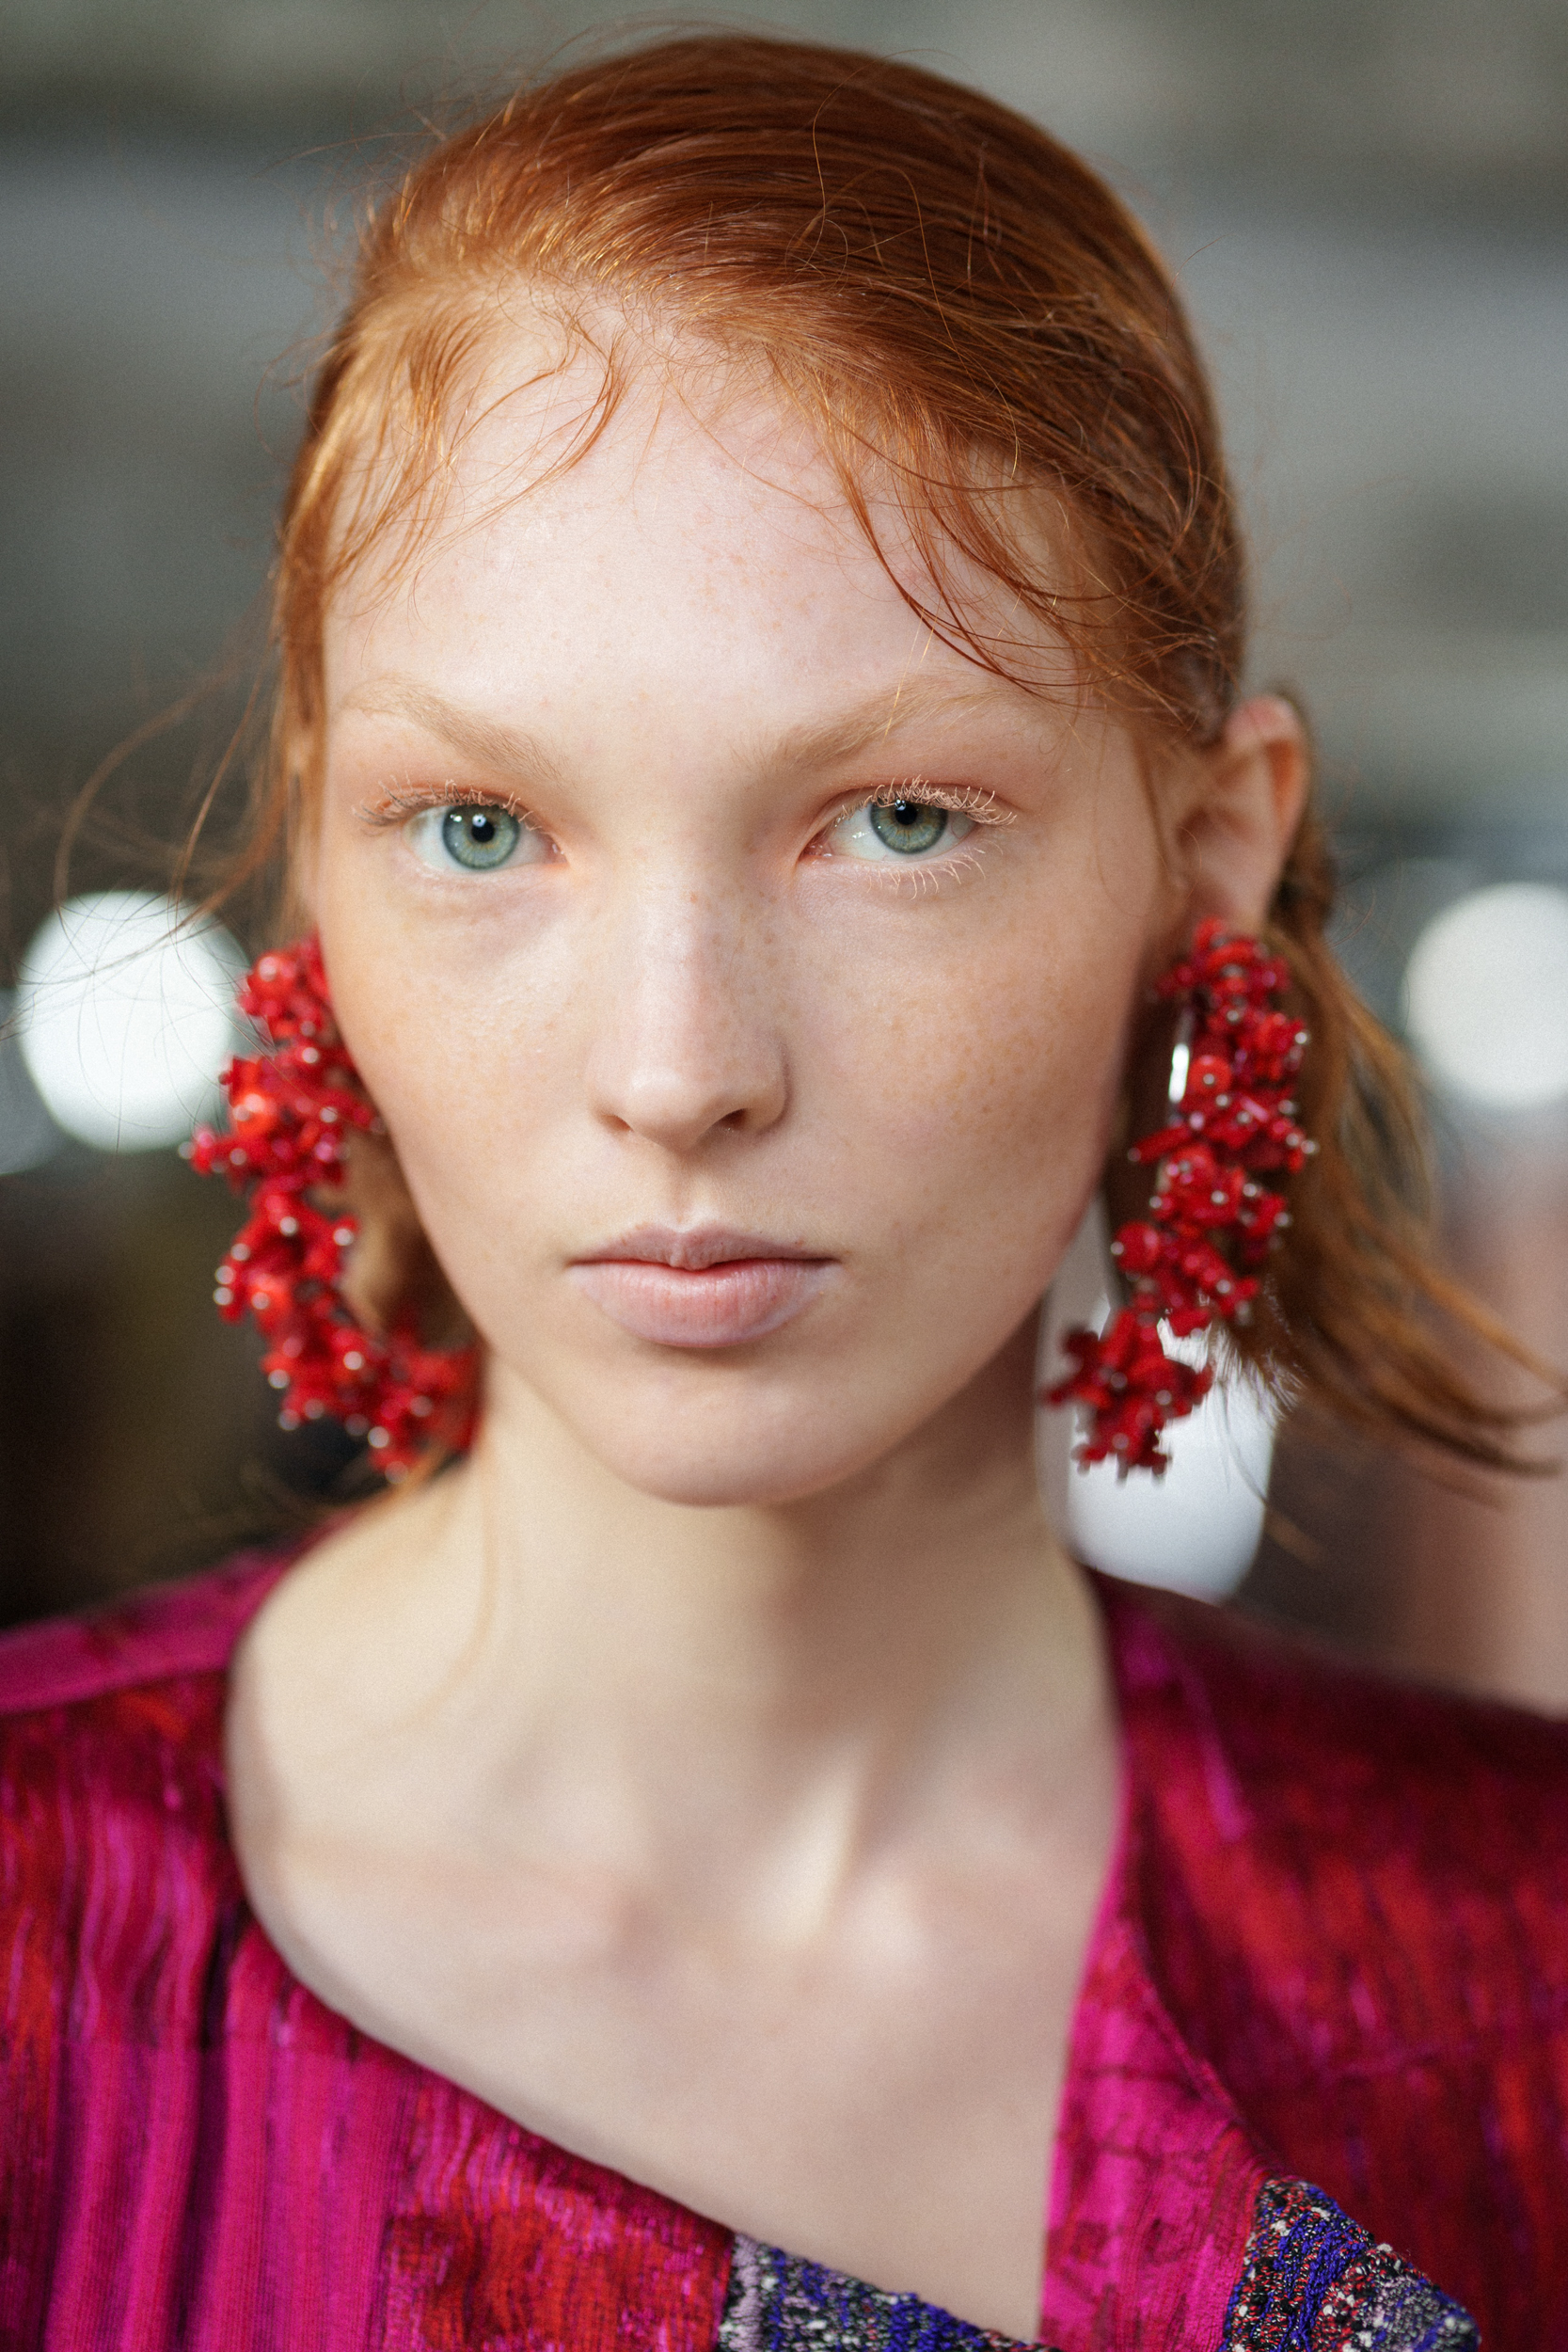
(28, 1135)
(1486, 995)
(126, 1017)
(1196, 1529)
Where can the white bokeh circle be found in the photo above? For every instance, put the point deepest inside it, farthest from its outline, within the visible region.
(126, 1017)
(1196, 1529)
(1486, 995)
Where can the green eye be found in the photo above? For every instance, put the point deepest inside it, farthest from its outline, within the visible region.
(480, 837)
(477, 837)
(907, 826)
(885, 832)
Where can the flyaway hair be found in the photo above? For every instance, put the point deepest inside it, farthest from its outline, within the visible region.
(975, 329)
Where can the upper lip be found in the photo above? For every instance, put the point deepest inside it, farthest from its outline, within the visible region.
(693, 1247)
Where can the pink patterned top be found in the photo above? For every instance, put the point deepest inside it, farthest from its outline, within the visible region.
(1333, 1947)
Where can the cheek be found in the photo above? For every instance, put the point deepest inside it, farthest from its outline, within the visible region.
(461, 1097)
(438, 1034)
(952, 1083)
(988, 1100)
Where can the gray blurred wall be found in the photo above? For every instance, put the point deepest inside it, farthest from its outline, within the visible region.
(1367, 207)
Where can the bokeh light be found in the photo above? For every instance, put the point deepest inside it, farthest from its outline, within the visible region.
(1196, 1529)
(28, 1136)
(126, 1017)
(1486, 995)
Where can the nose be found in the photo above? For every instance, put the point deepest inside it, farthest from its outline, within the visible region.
(688, 1043)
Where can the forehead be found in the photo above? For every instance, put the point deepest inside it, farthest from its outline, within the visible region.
(629, 491)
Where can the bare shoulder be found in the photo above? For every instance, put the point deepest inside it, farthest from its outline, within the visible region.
(331, 1651)
(333, 1698)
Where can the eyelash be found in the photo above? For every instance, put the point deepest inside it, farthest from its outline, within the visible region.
(395, 806)
(970, 800)
(966, 799)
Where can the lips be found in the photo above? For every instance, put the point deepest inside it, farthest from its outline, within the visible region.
(705, 1288)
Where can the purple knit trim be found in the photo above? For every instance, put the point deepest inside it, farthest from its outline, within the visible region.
(1312, 2281)
(779, 2303)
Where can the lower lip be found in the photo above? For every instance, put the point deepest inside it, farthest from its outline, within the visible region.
(723, 1306)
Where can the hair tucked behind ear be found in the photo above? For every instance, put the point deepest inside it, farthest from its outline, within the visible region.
(1353, 1312)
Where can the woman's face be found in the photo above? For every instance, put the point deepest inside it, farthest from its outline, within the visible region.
(685, 900)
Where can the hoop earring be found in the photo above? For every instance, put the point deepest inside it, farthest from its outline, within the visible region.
(292, 1111)
(1210, 1222)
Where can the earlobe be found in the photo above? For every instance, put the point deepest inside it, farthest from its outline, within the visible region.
(1239, 833)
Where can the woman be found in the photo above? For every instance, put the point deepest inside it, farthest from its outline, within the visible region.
(760, 621)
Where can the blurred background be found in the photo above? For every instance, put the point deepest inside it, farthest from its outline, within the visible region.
(1367, 207)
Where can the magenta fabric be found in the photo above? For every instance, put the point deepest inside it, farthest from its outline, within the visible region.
(1155, 2179)
(1335, 1944)
(197, 2153)
(1352, 1897)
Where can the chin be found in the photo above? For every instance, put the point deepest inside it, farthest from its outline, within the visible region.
(750, 1472)
(749, 1446)
(705, 1485)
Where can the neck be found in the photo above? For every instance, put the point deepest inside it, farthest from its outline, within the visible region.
(869, 1640)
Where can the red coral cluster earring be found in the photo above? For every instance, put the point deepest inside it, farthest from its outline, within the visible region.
(292, 1111)
(1210, 1222)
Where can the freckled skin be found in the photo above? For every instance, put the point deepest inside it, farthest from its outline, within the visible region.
(718, 1771)
(685, 1016)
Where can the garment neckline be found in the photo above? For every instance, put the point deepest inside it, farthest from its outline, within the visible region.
(1141, 2115)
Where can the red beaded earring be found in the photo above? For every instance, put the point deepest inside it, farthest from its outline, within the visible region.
(291, 1109)
(1210, 1222)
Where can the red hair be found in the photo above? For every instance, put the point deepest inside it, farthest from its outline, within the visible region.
(952, 298)
(963, 310)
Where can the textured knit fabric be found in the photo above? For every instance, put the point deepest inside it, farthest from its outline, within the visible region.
(1313, 2282)
(1333, 1944)
(778, 2303)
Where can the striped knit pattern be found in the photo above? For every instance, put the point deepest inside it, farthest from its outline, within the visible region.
(1314, 2282)
(779, 2303)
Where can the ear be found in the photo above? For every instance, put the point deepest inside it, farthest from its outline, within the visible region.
(1237, 832)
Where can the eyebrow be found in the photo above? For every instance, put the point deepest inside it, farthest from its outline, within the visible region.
(819, 745)
(511, 751)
